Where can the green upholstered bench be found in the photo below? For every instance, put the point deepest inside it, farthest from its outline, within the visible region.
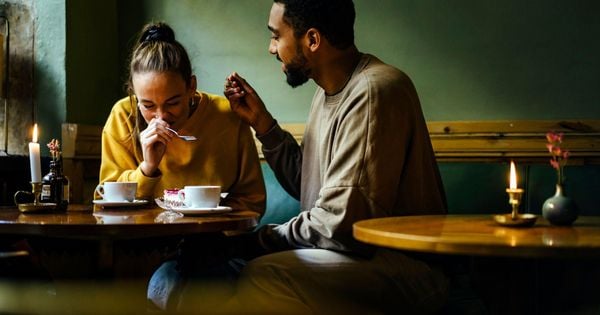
(280, 205)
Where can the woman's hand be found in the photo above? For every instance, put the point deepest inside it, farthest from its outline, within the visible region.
(247, 104)
(154, 140)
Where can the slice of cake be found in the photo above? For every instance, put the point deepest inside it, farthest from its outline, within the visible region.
(171, 198)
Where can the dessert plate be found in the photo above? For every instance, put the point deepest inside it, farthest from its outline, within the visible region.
(106, 203)
(202, 211)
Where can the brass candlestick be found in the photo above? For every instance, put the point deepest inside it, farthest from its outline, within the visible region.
(514, 199)
(515, 218)
(36, 205)
(36, 189)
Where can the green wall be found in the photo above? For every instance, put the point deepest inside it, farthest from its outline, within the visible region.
(222, 36)
(49, 68)
(469, 60)
(534, 59)
(93, 81)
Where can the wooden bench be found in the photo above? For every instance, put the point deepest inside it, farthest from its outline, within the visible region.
(453, 141)
(81, 148)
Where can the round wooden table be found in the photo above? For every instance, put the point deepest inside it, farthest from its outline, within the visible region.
(480, 235)
(80, 222)
(107, 229)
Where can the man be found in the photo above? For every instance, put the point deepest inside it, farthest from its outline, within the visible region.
(366, 153)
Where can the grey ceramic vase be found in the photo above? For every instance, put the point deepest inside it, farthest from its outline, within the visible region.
(559, 209)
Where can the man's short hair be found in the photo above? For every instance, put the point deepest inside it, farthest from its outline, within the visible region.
(333, 18)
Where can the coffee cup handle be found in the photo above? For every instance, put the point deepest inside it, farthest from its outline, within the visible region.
(181, 196)
(100, 190)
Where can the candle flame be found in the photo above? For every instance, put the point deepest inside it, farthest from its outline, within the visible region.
(513, 176)
(35, 133)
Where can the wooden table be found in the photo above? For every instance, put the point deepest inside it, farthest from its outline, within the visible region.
(80, 222)
(480, 235)
(83, 222)
(531, 270)
(82, 249)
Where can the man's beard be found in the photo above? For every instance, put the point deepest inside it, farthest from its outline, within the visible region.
(295, 73)
(295, 77)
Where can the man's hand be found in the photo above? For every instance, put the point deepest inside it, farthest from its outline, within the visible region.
(247, 104)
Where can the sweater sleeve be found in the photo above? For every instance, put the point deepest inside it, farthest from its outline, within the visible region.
(344, 197)
(284, 156)
(118, 163)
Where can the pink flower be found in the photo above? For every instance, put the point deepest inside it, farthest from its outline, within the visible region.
(54, 146)
(554, 137)
(559, 156)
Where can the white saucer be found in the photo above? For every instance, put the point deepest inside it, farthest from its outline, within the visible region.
(107, 203)
(201, 211)
(112, 218)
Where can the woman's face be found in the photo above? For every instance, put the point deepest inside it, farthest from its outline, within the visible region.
(164, 95)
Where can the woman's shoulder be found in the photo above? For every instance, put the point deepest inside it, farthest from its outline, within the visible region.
(120, 119)
(218, 107)
(122, 107)
(217, 102)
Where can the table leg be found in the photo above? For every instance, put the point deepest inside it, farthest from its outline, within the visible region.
(537, 286)
(106, 258)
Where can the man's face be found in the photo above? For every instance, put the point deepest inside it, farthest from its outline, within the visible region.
(286, 48)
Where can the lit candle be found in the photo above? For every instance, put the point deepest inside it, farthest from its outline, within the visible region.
(513, 176)
(514, 193)
(34, 157)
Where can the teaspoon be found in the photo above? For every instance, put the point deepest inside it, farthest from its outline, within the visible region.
(185, 138)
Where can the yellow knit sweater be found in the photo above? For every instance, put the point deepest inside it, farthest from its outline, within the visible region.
(224, 154)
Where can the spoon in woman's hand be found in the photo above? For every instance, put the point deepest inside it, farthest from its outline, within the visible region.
(185, 138)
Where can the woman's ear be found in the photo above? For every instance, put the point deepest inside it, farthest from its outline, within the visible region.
(193, 84)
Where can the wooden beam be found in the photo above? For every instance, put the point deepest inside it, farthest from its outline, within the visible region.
(501, 140)
(453, 141)
(523, 140)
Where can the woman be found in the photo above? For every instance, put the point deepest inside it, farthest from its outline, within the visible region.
(137, 144)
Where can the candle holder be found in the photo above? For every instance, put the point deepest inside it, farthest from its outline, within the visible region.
(36, 205)
(514, 199)
(515, 218)
(36, 189)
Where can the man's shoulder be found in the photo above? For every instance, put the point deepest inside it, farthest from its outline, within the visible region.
(383, 83)
(375, 69)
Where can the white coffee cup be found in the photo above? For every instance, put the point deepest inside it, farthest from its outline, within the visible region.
(200, 196)
(117, 191)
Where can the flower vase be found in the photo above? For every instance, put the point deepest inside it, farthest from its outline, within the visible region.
(560, 209)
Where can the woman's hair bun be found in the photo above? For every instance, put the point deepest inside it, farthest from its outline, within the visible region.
(157, 32)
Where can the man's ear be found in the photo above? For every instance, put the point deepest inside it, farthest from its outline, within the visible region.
(313, 39)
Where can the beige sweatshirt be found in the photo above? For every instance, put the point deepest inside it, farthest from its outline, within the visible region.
(366, 153)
